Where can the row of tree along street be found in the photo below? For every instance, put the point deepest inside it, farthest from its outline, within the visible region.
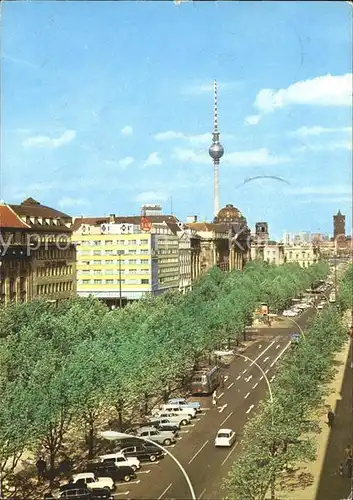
(64, 370)
(282, 432)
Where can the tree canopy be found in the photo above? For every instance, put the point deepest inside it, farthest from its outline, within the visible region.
(61, 365)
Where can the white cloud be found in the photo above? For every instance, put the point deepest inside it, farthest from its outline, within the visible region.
(328, 146)
(195, 140)
(153, 159)
(125, 162)
(317, 130)
(127, 130)
(71, 202)
(151, 196)
(17, 60)
(169, 135)
(205, 87)
(324, 90)
(252, 119)
(253, 157)
(44, 141)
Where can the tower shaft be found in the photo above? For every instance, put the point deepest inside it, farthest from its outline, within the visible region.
(216, 206)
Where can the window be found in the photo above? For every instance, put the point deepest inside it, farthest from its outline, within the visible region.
(132, 252)
(144, 252)
(96, 252)
(145, 282)
(109, 261)
(132, 261)
(85, 282)
(97, 271)
(132, 242)
(109, 242)
(109, 282)
(108, 252)
(144, 242)
(97, 282)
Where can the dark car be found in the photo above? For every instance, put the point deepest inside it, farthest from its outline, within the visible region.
(143, 452)
(73, 492)
(109, 469)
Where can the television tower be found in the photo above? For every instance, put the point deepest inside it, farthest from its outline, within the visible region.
(216, 152)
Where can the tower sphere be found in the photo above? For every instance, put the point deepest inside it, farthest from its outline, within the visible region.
(216, 151)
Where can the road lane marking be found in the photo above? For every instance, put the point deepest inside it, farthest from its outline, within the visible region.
(184, 432)
(221, 408)
(225, 420)
(266, 359)
(261, 377)
(165, 491)
(239, 376)
(250, 408)
(156, 463)
(280, 354)
(121, 493)
(249, 378)
(202, 493)
(222, 394)
(255, 385)
(193, 458)
(248, 394)
(135, 482)
(260, 346)
(144, 471)
(229, 386)
(245, 371)
(278, 346)
(205, 409)
(272, 378)
(229, 454)
(226, 378)
(266, 371)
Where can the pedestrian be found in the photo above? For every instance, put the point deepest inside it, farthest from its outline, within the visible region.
(349, 466)
(330, 417)
(348, 452)
(214, 398)
(341, 469)
(41, 468)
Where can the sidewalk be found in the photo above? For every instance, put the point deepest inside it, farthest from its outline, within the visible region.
(320, 480)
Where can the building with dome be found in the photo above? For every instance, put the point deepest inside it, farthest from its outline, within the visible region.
(225, 242)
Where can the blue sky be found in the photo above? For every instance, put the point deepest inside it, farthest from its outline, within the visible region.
(106, 105)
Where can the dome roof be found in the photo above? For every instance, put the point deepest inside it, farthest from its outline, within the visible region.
(229, 214)
(216, 151)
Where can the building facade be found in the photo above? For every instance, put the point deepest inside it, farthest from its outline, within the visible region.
(38, 259)
(272, 252)
(303, 254)
(339, 226)
(119, 261)
(224, 243)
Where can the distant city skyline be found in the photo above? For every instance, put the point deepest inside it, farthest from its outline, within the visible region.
(91, 129)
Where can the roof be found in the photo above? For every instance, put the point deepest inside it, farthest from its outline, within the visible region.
(129, 219)
(208, 226)
(32, 208)
(225, 430)
(9, 219)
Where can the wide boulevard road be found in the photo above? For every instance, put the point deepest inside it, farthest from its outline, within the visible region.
(207, 466)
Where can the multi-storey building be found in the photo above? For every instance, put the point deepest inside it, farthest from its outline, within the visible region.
(38, 259)
(339, 226)
(270, 252)
(303, 254)
(117, 261)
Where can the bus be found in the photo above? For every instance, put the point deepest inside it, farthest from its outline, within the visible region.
(205, 381)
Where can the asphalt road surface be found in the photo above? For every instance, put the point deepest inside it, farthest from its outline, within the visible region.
(206, 466)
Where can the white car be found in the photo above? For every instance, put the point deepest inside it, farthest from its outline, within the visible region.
(179, 410)
(289, 313)
(93, 482)
(120, 460)
(225, 437)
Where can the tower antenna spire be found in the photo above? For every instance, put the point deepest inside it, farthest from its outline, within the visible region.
(215, 151)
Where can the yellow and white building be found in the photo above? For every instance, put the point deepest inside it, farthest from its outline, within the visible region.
(115, 258)
(303, 254)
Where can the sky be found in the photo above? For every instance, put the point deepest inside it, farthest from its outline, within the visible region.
(109, 105)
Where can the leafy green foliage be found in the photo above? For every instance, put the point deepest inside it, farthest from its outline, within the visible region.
(69, 364)
(278, 435)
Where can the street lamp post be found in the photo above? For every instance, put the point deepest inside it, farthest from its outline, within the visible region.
(112, 436)
(292, 320)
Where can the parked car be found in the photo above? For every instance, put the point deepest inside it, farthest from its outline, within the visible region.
(186, 404)
(179, 410)
(108, 469)
(120, 460)
(225, 437)
(143, 452)
(92, 481)
(176, 417)
(289, 313)
(164, 438)
(165, 424)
